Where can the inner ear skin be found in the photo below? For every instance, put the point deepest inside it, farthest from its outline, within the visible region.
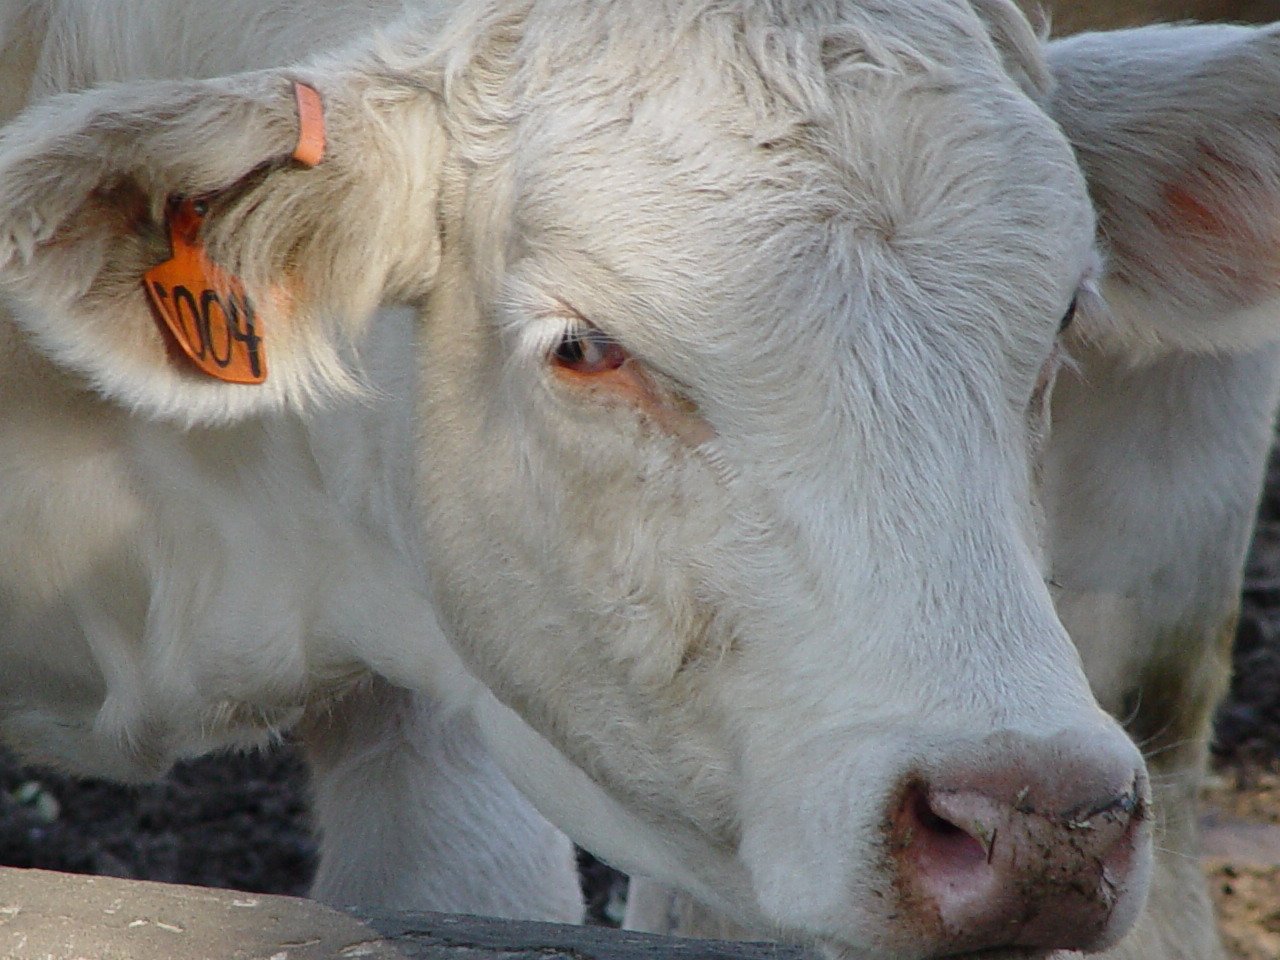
(635, 386)
(120, 209)
(121, 216)
(1222, 207)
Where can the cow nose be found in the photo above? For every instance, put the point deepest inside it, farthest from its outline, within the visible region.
(1000, 860)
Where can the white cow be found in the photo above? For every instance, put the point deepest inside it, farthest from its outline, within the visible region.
(690, 360)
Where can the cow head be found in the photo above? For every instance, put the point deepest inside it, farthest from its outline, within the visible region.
(737, 326)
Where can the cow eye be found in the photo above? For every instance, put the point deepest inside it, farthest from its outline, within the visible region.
(587, 350)
(1069, 316)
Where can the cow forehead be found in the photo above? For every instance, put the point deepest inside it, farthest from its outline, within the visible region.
(756, 186)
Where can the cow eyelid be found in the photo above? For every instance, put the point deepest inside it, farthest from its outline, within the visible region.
(1069, 317)
(585, 349)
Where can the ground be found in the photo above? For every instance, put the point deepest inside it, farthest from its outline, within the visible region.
(1242, 818)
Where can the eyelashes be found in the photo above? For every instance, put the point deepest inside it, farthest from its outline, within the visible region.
(586, 350)
(1069, 317)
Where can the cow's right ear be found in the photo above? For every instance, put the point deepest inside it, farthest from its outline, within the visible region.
(1178, 131)
(313, 196)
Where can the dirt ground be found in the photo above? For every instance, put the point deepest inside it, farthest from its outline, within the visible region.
(1242, 861)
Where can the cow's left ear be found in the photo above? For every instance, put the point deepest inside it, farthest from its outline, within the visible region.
(1178, 132)
(268, 214)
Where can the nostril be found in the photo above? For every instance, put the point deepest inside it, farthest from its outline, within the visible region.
(946, 847)
(931, 820)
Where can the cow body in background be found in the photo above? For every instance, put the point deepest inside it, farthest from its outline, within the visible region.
(540, 329)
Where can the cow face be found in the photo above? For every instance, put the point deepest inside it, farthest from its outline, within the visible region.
(752, 360)
(737, 325)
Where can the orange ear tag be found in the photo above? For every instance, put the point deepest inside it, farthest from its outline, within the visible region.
(311, 141)
(204, 308)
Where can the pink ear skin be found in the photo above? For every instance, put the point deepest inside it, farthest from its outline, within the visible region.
(1223, 222)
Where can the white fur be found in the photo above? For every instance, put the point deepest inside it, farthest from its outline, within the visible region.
(408, 792)
(843, 234)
